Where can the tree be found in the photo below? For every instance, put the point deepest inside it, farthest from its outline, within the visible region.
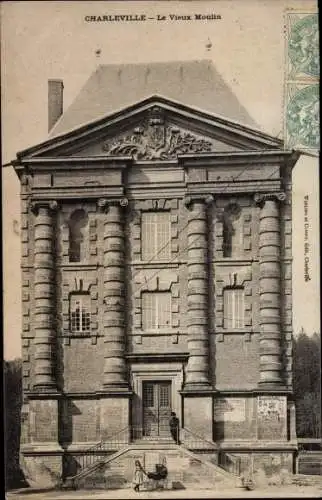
(12, 402)
(307, 384)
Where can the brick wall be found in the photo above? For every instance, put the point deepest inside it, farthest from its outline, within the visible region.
(84, 418)
(236, 361)
(235, 417)
(43, 421)
(83, 365)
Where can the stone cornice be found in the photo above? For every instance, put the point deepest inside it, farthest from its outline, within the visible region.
(282, 390)
(29, 395)
(91, 193)
(276, 157)
(250, 445)
(60, 162)
(151, 358)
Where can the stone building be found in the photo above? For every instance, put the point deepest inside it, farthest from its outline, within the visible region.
(156, 234)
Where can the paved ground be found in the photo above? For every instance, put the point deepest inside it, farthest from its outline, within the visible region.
(270, 492)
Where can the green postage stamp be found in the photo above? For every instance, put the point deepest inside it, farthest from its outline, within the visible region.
(302, 81)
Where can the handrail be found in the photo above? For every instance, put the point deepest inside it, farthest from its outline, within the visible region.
(229, 462)
(197, 439)
(93, 455)
(141, 432)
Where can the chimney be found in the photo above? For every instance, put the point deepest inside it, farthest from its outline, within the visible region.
(55, 101)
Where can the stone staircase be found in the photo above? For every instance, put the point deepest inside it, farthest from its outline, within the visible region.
(186, 468)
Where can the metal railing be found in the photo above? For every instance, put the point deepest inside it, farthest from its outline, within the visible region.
(192, 440)
(230, 463)
(89, 457)
(87, 460)
(152, 433)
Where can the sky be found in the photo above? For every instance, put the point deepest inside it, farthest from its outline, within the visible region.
(43, 40)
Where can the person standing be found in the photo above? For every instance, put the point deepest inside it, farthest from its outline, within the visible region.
(138, 475)
(174, 427)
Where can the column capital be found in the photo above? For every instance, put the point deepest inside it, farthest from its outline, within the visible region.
(103, 204)
(51, 205)
(260, 198)
(207, 199)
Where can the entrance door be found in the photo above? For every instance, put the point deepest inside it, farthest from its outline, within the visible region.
(156, 408)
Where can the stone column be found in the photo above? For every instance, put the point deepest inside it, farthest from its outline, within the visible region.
(115, 373)
(44, 295)
(197, 374)
(270, 285)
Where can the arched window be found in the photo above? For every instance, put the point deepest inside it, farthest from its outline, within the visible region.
(78, 223)
(232, 234)
(234, 308)
(80, 313)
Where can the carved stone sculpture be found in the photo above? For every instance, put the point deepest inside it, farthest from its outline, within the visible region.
(156, 140)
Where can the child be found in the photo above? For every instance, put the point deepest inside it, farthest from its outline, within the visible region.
(138, 475)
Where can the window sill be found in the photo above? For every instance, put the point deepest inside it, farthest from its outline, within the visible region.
(156, 332)
(158, 263)
(234, 330)
(78, 265)
(68, 337)
(235, 260)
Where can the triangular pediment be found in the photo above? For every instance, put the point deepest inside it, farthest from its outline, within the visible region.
(155, 129)
(155, 137)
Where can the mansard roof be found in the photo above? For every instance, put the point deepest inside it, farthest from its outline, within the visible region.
(114, 87)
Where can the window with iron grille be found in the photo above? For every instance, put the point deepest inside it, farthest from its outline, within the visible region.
(156, 310)
(80, 315)
(164, 395)
(234, 308)
(156, 236)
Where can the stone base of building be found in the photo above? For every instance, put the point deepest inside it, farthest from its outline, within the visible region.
(42, 469)
(265, 466)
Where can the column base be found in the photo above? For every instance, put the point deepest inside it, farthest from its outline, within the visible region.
(45, 388)
(114, 388)
(197, 387)
(276, 384)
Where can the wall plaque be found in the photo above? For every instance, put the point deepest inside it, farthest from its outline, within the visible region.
(230, 410)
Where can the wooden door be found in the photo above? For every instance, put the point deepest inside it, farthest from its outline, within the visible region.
(156, 408)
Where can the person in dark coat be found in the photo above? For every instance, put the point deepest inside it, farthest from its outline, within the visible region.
(174, 427)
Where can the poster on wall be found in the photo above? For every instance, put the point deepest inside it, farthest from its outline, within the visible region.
(271, 417)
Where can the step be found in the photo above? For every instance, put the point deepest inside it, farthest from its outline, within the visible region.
(148, 445)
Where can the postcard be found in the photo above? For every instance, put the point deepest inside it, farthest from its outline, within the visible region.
(160, 202)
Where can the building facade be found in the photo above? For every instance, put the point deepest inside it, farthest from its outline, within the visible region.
(156, 277)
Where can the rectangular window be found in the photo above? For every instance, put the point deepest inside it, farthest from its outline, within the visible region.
(234, 308)
(156, 310)
(80, 316)
(156, 236)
